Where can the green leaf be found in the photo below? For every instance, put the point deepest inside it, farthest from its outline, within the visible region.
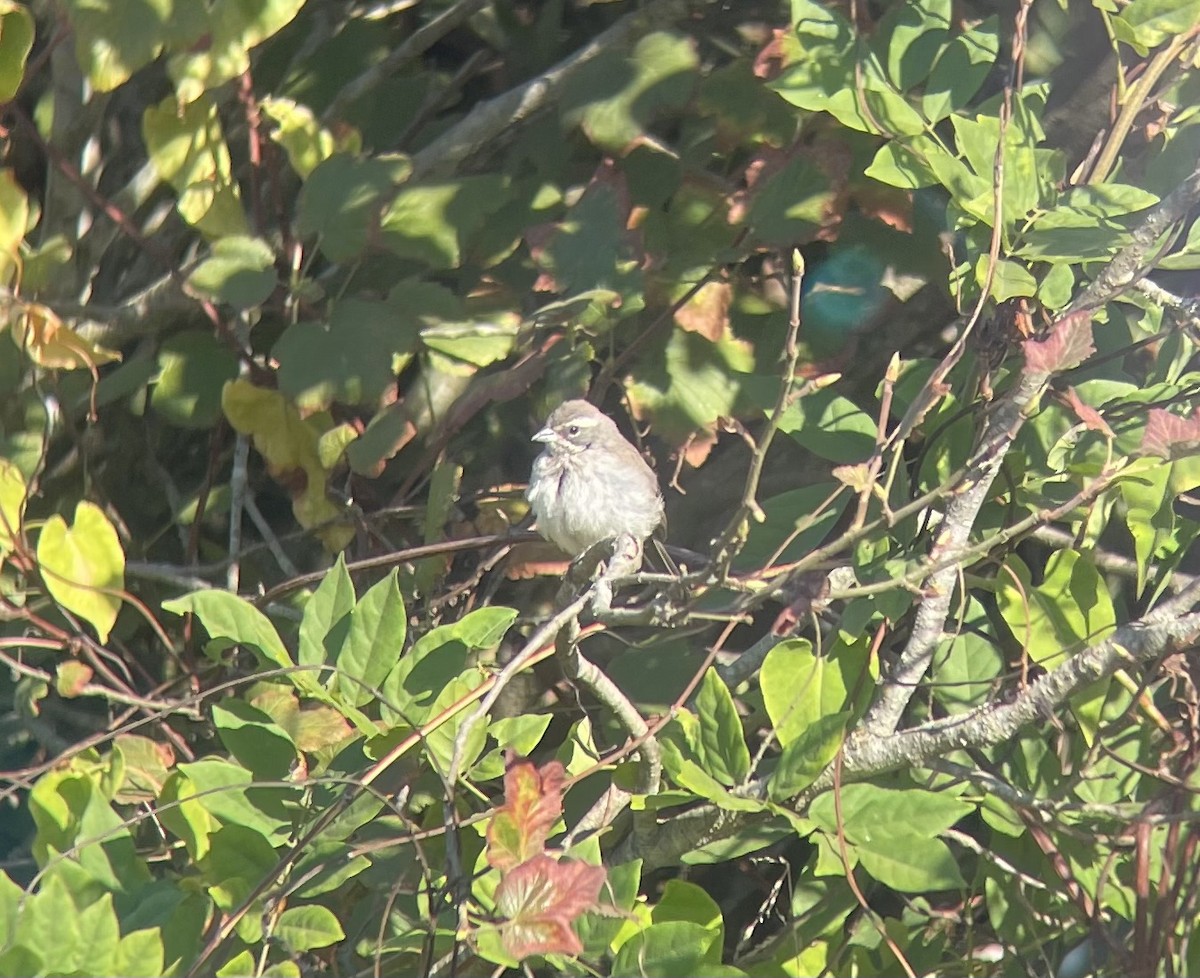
(909, 37)
(430, 222)
(615, 96)
(307, 928)
(687, 381)
(870, 814)
(226, 792)
(681, 900)
(1149, 23)
(826, 44)
(241, 964)
(226, 616)
(668, 950)
(115, 39)
(254, 739)
(233, 28)
(374, 641)
(240, 272)
(1056, 288)
(439, 743)
(188, 149)
(352, 359)
(911, 863)
(831, 426)
(590, 249)
(436, 658)
(325, 623)
(193, 368)
(12, 505)
(960, 70)
(792, 204)
(1147, 495)
(807, 755)
(722, 746)
(83, 566)
(73, 815)
(692, 777)
(16, 41)
(140, 952)
(340, 198)
(965, 670)
(1185, 256)
(240, 859)
(1009, 279)
(899, 163)
(1070, 608)
(304, 140)
(14, 220)
(794, 516)
(799, 688)
(69, 939)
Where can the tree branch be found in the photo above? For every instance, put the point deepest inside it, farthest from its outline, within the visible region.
(488, 120)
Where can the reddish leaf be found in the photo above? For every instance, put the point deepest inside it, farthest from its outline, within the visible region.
(1067, 345)
(532, 804)
(1091, 418)
(707, 312)
(541, 899)
(1169, 435)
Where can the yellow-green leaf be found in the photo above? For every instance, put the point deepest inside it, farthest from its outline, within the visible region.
(83, 566)
(12, 504)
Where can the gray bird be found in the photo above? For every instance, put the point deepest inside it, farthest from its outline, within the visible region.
(589, 484)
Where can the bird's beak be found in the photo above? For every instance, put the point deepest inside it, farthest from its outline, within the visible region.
(545, 436)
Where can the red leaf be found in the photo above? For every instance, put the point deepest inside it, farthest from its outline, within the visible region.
(532, 804)
(1166, 432)
(1091, 418)
(1067, 345)
(541, 899)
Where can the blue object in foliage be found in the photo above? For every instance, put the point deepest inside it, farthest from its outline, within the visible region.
(841, 295)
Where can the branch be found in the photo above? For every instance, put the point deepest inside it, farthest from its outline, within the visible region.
(1172, 627)
(488, 120)
(952, 540)
(1165, 630)
(1130, 263)
(418, 42)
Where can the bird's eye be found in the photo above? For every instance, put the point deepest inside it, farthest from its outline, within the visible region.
(573, 430)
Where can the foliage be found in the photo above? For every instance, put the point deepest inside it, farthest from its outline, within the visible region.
(909, 330)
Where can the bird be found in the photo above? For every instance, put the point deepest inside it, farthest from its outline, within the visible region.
(589, 484)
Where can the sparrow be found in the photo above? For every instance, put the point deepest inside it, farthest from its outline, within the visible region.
(589, 484)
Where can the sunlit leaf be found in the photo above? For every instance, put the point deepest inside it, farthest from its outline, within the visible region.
(233, 28)
(240, 272)
(16, 41)
(532, 804)
(540, 899)
(13, 492)
(308, 927)
(289, 444)
(83, 566)
(49, 342)
(721, 745)
(1067, 345)
(227, 616)
(187, 147)
(1070, 608)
